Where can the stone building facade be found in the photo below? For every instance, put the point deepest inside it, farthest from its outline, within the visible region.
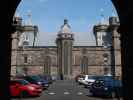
(68, 60)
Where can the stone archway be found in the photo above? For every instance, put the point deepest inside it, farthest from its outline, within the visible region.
(125, 12)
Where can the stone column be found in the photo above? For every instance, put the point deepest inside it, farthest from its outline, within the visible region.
(14, 53)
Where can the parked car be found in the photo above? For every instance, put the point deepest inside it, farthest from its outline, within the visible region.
(107, 87)
(20, 87)
(80, 79)
(91, 79)
(46, 78)
(37, 80)
(87, 80)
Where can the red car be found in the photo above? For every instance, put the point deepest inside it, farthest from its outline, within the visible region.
(21, 87)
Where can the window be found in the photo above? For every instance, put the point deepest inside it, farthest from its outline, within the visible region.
(77, 60)
(25, 59)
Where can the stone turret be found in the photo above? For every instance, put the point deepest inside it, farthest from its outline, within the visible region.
(116, 46)
(107, 36)
(17, 22)
(64, 43)
(100, 32)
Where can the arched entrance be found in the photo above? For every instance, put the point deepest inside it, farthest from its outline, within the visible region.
(125, 12)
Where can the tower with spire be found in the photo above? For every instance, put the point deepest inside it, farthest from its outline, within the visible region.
(103, 37)
(27, 36)
(64, 43)
(29, 14)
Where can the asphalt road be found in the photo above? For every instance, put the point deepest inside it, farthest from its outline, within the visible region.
(65, 90)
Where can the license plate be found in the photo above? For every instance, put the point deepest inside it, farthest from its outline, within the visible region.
(39, 89)
(46, 84)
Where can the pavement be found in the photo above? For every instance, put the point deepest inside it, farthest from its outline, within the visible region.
(65, 90)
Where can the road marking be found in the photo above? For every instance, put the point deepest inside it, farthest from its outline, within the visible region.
(51, 93)
(66, 93)
(79, 93)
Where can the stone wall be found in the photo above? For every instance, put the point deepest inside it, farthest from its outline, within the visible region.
(37, 59)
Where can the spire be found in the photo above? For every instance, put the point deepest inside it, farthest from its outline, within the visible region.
(102, 16)
(65, 21)
(113, 12)
(66, 27)
(103, 21)
(29, 14)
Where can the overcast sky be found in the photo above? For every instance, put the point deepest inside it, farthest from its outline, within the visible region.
(81, 15)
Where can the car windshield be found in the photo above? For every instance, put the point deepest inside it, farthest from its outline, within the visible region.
(23, 82)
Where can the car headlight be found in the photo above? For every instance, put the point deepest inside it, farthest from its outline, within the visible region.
(46, 84)
(31, 88)
(105, 88)
(39, 83)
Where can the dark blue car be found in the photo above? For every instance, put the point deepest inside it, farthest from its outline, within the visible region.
(47, 78)
(107, 87)
(37, 80)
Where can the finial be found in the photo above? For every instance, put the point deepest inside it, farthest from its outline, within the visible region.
(102, 15)
(113, 13)
(65, 21)
(66, 27)
(29, 16)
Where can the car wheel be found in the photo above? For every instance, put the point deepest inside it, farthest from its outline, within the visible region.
(24, 94)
